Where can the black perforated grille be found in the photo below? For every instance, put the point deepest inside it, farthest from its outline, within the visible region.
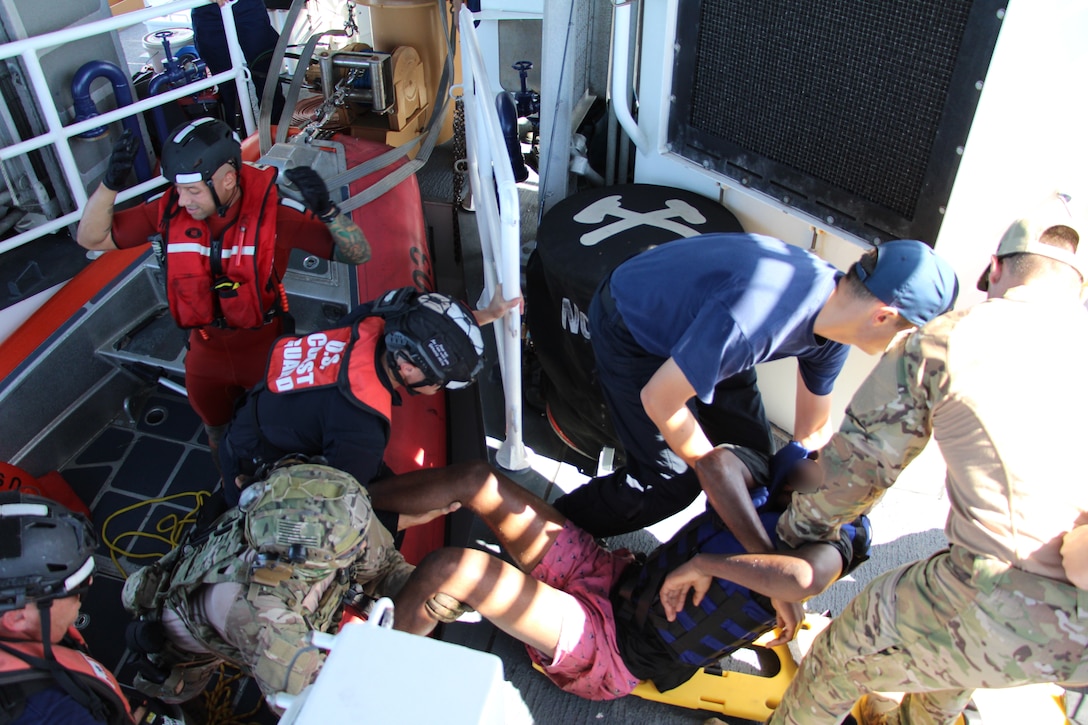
(842, 104)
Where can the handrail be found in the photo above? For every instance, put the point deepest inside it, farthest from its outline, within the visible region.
(58, 133)
(495, 197)
(621, 44)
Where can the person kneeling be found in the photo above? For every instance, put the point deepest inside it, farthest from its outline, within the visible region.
(250, 588)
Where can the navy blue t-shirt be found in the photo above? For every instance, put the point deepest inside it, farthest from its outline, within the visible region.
(721, 303)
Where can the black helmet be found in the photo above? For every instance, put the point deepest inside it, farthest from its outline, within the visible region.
(195, 150)
(434, 332)
(46, 551)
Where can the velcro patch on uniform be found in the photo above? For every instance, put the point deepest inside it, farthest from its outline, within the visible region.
(272, 575)
(271, 668)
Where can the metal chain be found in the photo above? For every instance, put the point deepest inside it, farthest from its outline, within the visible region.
(350, 27)
(460, 152)
(327, 110)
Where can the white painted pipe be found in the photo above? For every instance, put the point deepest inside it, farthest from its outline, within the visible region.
(621, 54)
(498, 218)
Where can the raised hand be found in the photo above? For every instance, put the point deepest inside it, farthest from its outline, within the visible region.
(314, 192)
(121, 160)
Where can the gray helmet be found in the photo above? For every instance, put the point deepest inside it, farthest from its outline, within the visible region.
(195, 150)
(46, 551)
(436, 333)
(311, 516)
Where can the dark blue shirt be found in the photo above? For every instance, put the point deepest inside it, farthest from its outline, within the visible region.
(721, 303)
(52, 706)
(318, 422)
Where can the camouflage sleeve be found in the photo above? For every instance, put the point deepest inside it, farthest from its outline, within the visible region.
(382, 569)
(273, 641)
(887, 424)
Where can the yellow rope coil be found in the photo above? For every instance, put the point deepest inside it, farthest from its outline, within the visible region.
(219, 700)
(168, 530)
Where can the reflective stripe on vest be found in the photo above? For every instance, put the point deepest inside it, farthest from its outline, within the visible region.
(82, 668)
(228, 281)
(197, 248)
(344, 356)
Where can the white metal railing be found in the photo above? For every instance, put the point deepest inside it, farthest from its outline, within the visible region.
(58, 134)
(495, 198)
(621, 43)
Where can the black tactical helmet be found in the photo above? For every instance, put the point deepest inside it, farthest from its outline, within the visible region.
(434, 332)
(195, 150)
(46, 551)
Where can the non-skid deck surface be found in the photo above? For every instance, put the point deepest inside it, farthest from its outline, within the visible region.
(142, 476)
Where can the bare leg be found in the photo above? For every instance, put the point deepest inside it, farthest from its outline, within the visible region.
(515, 602)
(524, 523)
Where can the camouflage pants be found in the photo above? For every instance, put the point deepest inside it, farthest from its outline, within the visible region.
(937, 630)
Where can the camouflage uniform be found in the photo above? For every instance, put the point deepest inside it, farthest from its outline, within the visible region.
(1001, 388)
(221, 600)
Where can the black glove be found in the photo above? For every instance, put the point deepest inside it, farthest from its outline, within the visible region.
(124, 153)
(314, 192)
(784, 460)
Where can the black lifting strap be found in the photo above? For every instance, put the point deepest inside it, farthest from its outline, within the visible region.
(728, 607)
(676, 552)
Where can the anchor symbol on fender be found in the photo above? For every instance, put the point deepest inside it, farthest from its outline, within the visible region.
(610, 206)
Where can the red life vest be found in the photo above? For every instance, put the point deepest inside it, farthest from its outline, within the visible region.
(229, 281)
(343, 357)
(84, 670)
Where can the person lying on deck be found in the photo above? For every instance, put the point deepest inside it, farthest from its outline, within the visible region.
(598, 621)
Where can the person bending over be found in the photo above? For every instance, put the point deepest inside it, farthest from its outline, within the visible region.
(678, 330)
(331, 393)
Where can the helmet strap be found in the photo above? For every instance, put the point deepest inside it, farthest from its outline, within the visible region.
(392, 363)
(79, 692)
(421, 384)
(45, 620)
(220, 207)
(412, 388)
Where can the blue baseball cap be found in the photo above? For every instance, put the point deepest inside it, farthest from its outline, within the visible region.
(911, 277)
